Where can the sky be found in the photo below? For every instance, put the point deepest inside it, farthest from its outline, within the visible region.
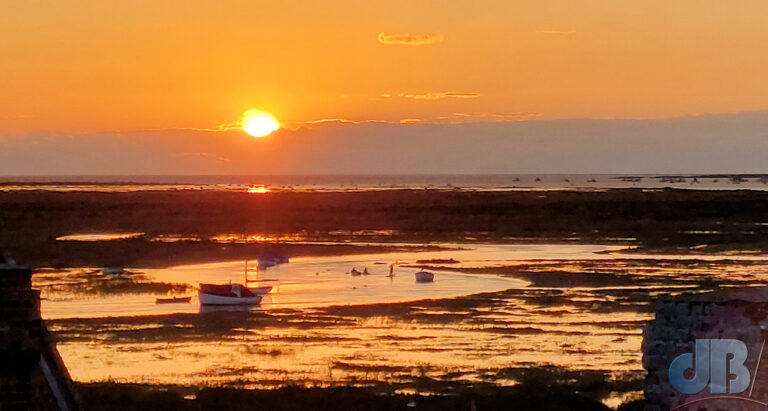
(112, 87)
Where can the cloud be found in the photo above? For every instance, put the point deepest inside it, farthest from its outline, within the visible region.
(453, 118)
(404, 39)
(217, 129)
(519, 116)
(17, 116)
(558, 32)
(480, 147)
(341, 120)
(439, 96)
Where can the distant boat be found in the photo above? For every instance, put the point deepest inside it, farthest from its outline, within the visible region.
(354, 272)
(227, 294)
(264, 263)
(267, 262)
(113, 270)
(173, 300)
(283, 259)
(424, 277)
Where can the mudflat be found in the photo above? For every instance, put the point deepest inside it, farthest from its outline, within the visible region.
(667, 219)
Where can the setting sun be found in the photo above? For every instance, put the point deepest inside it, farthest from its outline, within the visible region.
(258, 123)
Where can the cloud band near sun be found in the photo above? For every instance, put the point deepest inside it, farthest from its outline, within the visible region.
(439, 96)
(405, 39)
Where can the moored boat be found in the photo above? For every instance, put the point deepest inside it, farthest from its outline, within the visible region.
(424, 277)
(113, 270)
(173, 300)
(228, 294)
(264, 263)
(260, 290)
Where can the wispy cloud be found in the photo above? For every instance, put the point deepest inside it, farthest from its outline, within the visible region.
(440, 96)
(454, 118)
(558, 32)
(342, 120)
(216, 129)
(404, 39)
(190, 154)
(518, 116)
(16, 115)
(203, 154)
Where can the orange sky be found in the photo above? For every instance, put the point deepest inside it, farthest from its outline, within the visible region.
(102, 66)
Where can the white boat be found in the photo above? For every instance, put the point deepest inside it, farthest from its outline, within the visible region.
(228, 294)
(232, 294)
(424, 277)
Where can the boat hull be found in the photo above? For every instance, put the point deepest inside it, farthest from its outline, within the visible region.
(175, 300)
(212, 299)
(113, 270)
(424, 277)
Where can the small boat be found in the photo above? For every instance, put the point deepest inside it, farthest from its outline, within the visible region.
(365, 271)
(113, 270)
(282, 259)
(265, 263)
(173, 300)
(260, 290)
(228, 294)
(232, 294)
(424, 277)
(354, 272)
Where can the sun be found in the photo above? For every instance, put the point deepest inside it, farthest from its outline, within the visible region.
(259, 123)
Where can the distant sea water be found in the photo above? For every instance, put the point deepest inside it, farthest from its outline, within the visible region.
(487, 182)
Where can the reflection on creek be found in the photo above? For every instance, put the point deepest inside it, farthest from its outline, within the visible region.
(492, 309)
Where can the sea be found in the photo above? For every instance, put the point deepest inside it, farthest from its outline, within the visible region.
(484, 182)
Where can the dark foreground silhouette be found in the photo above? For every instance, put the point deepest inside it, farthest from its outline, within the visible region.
(109, 396)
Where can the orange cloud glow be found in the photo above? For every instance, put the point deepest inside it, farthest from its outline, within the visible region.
(522, 116)
(402, 39)
(439, 96)
(558, 32)
(95, 67)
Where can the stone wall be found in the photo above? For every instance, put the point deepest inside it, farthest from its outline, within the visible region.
(674, 331)
(32, 375)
